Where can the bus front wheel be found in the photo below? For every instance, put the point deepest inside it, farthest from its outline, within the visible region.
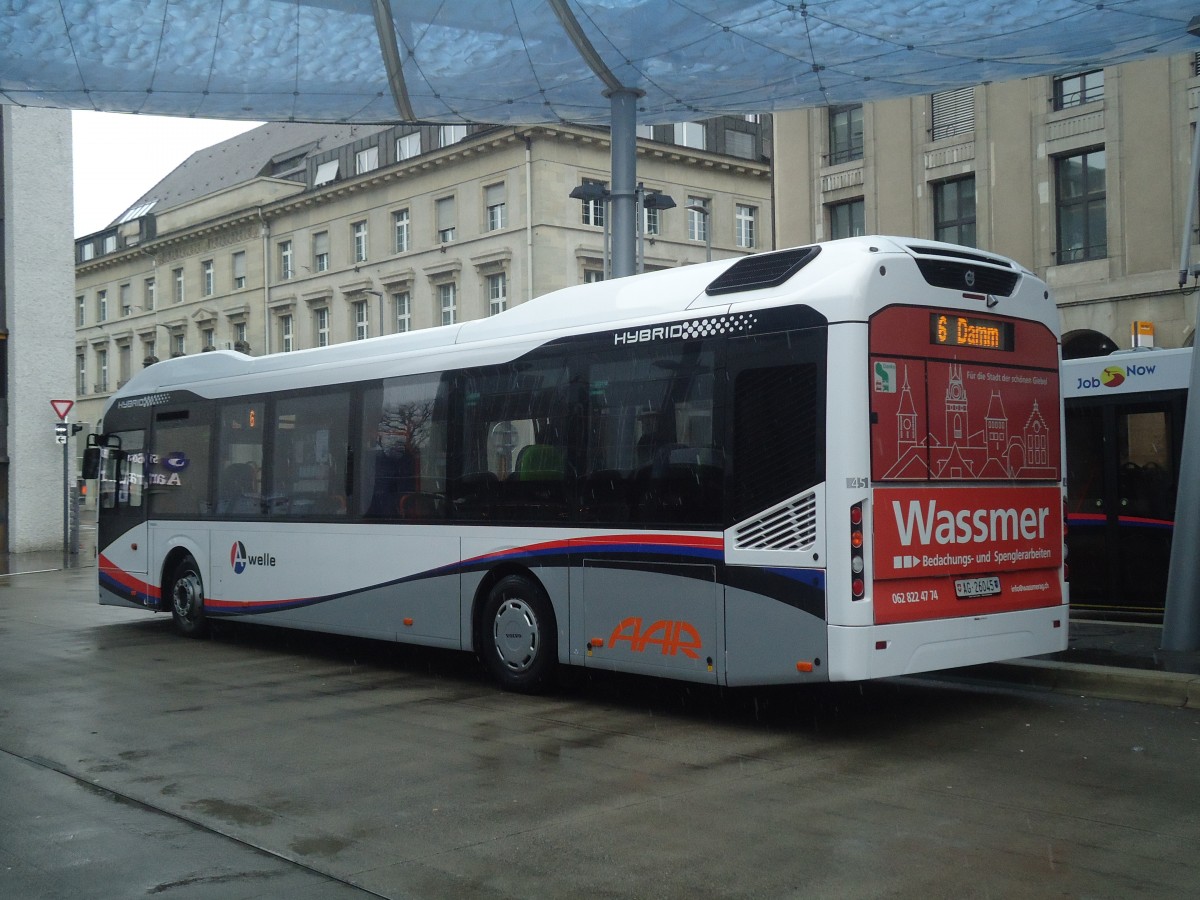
(519, 637)
(187, 599)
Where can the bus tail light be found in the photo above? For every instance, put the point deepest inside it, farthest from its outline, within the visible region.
(858, 584)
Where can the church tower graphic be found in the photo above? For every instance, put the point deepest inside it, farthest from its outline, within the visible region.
(993, 421)
(956, 409)
(906, 420)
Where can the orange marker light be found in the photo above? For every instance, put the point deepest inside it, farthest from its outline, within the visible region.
(804, 666)
(408, 623)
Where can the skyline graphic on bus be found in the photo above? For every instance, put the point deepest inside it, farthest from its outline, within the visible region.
(962, 435)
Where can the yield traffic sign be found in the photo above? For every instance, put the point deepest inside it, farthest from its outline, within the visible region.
(62, 407)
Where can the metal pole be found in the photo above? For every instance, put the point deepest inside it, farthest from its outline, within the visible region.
(67, 489)
(624, 176)
(1181, 619)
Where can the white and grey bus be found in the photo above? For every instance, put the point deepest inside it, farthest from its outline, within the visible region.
(834, 462)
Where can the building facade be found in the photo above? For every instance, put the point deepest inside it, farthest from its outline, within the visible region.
(35, 331)
(293, 236)
(1082, 177)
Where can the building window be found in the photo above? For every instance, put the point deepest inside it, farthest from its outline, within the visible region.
(951, 113)
(1077, 89)
(80, 310)
(320, 251)
(497, 290)
(403, 304)
(125, 296)
(360, 241)
(362, 330)
(208, 339)
(124, 363)
(101, 371)
(287, 337)
(739, 144)
(408, 146)
(1082, 220)
(593, 276)
(238, 261)
(366, 160)
(81, 374)
(239, 334)
(177, 282)
(954, 211)
(451, 134)
(148, 295)
(110, 243)
(847, 219)
(743, 221)
(690, 134)
(593, 208)
(178, 344)
(286, 268)
(448, 299)
(446, 220)
(321, 326)
(400, 231)
(101, 306)
(697, 221)
(326, 172)
(148, 351)
(845, 134)
(206, 278)
(494, 201)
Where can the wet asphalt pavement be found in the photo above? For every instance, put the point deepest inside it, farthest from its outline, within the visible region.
(266, 763)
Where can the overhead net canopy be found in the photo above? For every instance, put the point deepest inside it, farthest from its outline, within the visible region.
(527, 61)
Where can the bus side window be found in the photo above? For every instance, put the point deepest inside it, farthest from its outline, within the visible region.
(403, 457)
(311, 453)
(122, 474)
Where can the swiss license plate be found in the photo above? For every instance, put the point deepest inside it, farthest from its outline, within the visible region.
(967, 588)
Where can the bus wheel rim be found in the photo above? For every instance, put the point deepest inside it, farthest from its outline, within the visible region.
(186, 595)
(516, 634)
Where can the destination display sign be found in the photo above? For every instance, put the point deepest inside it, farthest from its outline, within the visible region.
(949, 330)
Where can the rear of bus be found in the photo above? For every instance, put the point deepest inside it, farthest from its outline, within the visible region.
(958, 548)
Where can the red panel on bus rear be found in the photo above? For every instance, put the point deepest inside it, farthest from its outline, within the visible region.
(958, 551)
(962, 413)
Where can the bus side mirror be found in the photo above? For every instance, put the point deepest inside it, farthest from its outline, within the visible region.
(91, 463)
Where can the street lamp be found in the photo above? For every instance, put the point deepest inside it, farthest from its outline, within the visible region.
(594, 192)
(703, 210)
(648, 200)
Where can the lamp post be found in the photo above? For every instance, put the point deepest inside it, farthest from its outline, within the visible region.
(703, 210)
(648, 200)
(378, 294)
(594, 192)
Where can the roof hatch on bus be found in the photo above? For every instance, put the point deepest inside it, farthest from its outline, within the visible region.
(763, 270)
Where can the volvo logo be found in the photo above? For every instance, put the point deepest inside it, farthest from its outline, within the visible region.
(969, 278)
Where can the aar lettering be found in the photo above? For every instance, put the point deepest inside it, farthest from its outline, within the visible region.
(672, 636)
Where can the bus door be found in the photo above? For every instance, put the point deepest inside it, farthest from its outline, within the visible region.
(1124, 455)
(121, 516)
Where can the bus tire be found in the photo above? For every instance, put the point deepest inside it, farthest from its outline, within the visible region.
(187, 599)
(518, 635)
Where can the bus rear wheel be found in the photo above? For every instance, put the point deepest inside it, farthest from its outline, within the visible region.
(187, 599)
(519, 637)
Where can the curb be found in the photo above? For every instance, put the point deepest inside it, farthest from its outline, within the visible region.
(1138, 685)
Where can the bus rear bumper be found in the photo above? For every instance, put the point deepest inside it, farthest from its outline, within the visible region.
(879, 651)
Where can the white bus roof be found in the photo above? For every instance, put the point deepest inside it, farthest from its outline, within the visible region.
(832, 281)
